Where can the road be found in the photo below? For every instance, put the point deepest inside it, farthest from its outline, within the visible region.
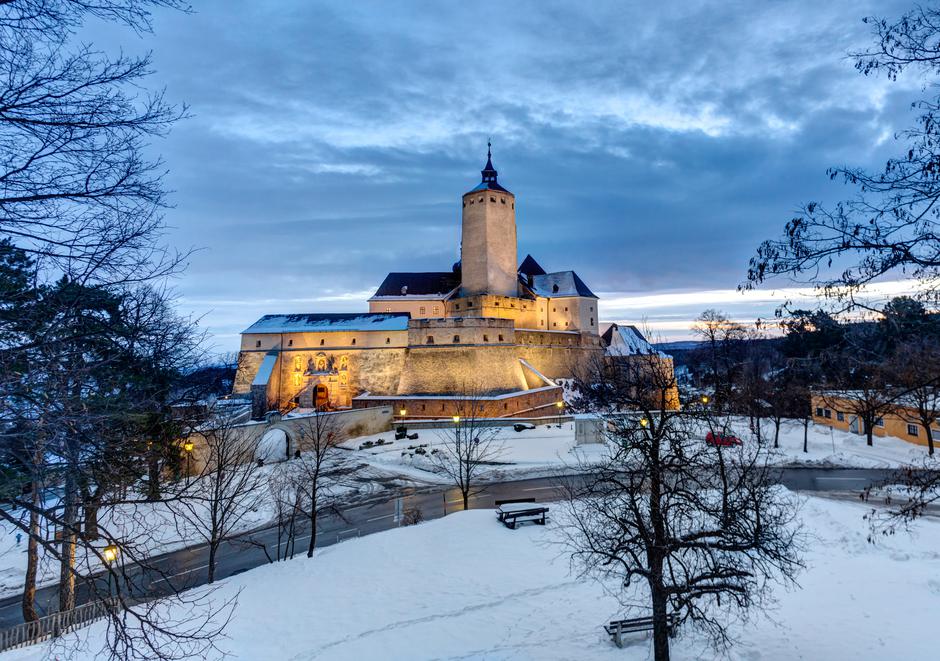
(187, 567)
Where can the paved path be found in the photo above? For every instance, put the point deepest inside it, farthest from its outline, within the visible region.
(187, 567)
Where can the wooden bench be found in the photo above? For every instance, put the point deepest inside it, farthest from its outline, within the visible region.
(617, 628)
(526, 509)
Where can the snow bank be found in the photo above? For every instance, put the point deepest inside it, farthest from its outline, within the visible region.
(466, 587)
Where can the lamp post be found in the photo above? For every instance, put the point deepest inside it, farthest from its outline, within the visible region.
(559, 406)
(402, 413)
(189, 446)
(110, 554)
(705, 400)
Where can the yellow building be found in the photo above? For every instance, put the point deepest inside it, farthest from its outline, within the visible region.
(503, 329)
(900, 419)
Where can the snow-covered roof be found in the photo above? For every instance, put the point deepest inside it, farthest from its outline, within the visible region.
(562, 283)
(265, 369)
(332, 322)
(627, 341)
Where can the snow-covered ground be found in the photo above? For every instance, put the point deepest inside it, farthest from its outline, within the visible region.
(149, 529)
(550, 448)
(465, 587)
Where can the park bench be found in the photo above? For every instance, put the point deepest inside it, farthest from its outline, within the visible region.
(617, 628)
(511, 512)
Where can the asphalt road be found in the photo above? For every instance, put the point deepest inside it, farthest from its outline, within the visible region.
(187, 567)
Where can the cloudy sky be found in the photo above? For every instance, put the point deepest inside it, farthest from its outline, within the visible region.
(651, 145)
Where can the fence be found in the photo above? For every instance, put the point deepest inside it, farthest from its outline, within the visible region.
(54, 625)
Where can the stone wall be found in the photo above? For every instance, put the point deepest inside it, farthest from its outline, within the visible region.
(442, 369)
(459, 331)
(488, 244)
(529, 403)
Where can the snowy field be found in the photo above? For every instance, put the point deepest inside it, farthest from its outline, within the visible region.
(465, 587)
(549, 448)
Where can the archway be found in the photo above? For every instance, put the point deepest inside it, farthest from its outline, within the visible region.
(273, 446)
(321, 397)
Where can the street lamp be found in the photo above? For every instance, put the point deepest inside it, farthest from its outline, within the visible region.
(559, 406)
(402, 412)
(704, 399)
(644, 422)
(188, 446)
(110, 553)
(456, 419)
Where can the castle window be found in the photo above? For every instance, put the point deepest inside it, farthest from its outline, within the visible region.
(457, 306)
(592, 308)
(354, 341)
(566, 309)
(566, 324)
(496, 303)
(257, 343)
(388, 340)
(421, 310)
(290, 343)
(469, 304)
(423, 406)
(500, 338)
(456, 339)
(512, 305)
(554, 309)
(513, 205)
(435, 310)
(388, 309)
(471, 202)
(503, 200)
(322, 342)
(554, 323)
(493, 199)
(592, 321)
(430, 339)
(481, 199)
(554, 289)
(486, 338)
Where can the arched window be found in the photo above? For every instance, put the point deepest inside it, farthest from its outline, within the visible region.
(456, 339)
(430, 339)
(354, 341)
(322, 342)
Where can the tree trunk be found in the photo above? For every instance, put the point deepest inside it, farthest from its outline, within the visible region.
(869, 433)
(805, 434)
(929, 439)
(213, 547)
(32, 561)
(660, 626)
(776, 433)
(313, 531)
(67, 560)
(466, 499)
(92, 507)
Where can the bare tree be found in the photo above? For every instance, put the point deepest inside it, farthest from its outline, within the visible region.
(468, 446)
(325, 472)
(915, 371)
(282, 490)
(723, 342)
(704, 529)
(227, 488)
(890, 225)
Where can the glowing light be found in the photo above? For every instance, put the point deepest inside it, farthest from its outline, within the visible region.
(704, 399)
(456, 419)
(559, 404)
(644, 422)
(402, 412)
(110, 553)
(189, 446)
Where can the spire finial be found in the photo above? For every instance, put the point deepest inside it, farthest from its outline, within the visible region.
(489, 172)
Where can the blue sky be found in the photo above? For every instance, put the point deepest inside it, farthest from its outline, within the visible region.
(651, 145)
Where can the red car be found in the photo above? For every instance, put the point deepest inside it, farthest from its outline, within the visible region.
(724, 440)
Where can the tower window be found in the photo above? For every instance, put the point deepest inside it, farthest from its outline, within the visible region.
(257, 343)
(493, 199)
(388, 340)
(430, 339)
(290, 343)
(481, 199)
(486, 338)
(513, 205)
(421, 310)
(592, 321)
(456, 339)
(500, 338)
(354, 340)
(322, 342)
(503, 200)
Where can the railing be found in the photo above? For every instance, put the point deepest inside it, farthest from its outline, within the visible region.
(54, 625)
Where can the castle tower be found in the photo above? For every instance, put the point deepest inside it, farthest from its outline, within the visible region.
(488, 238)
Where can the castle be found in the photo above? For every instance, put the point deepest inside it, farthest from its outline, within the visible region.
(502, 330)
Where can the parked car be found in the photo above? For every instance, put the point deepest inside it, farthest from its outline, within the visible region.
(724, 440)
(523, 426)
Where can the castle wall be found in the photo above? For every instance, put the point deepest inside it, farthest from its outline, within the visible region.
(460, 331)
(571, 313)
(418, 308)
(446, 369)
(529, 403)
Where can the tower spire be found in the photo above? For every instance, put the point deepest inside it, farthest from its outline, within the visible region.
(489, 172)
